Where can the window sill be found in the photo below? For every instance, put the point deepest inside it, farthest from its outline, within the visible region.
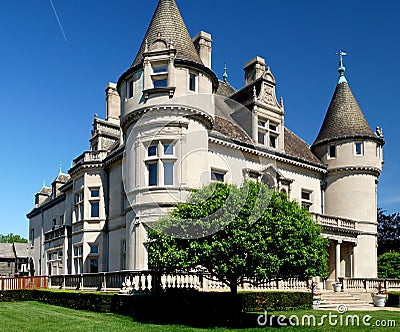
(170, 91)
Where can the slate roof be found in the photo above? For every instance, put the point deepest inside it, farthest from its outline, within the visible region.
(296, 147)
(225, 89)
(6, 250)
(344, 117)
(45, 191)
(167, 24)
(62, 178)
(21, 250)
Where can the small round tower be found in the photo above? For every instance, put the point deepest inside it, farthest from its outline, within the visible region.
(353, 155)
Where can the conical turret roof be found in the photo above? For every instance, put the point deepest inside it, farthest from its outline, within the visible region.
(167, 24)
(344, 118)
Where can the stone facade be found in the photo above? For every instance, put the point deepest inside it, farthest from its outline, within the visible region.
(171, 126)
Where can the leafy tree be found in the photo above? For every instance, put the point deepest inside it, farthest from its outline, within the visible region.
(388, 232)
(12, 238)
(264, 236)
(389, 265)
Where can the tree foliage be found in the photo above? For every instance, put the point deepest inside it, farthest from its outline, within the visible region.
(389, 265)
(264, 236)
(12, 238)
(388, 232)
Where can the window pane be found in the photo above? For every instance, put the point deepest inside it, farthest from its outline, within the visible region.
(153, 174)
(94, 209)
(168, 174)
(359, 150)
(273, 127)
(94, 249)
(261, 138)
(332, 151)
(168, 149)
(160, 83)
(159, 69)
(306, 195)
(130, 89)
(272, 141)
(94, 265)
(217, 176)
(192, 81)
(152, 151)
(261, 123)
(95, 193)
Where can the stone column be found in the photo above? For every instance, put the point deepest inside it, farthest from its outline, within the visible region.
(338, 260)
(354, 272)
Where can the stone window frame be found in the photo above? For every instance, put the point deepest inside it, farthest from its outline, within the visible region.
(269, 130)
(164, 154)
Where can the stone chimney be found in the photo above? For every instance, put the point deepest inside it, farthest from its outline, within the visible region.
(203, 44)
(254, 69)
(113, 107)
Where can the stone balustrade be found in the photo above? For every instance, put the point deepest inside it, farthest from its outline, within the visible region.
(149, 281)
(324, 220)
(370, 284)
(90, 156)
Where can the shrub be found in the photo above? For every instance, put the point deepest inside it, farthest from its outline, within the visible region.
(393, 299)
(265, 301)
(389, 265)
(16, 295)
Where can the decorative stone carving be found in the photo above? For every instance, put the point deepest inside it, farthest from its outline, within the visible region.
(268, 95)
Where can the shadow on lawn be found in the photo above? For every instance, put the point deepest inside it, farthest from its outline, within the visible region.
(190, 308)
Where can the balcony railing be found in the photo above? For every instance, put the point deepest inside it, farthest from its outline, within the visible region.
(148, 281)
(90, 156)
(370, 284)
(324, 220)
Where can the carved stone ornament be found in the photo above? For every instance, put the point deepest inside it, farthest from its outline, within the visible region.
(268, 95)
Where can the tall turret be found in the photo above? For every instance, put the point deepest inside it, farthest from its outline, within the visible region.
(166, 112)
(353, 155)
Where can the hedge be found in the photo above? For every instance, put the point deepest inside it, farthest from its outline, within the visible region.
(172, 306)
(393, 299)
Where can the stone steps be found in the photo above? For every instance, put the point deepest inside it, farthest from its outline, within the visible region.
(332, 301)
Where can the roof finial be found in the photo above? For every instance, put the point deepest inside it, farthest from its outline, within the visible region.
(60, 169)
(225, 76)
(341, 68)
(44, 184)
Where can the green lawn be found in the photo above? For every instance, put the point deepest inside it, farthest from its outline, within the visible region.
(35, 316)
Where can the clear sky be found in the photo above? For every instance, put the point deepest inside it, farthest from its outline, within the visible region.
(55, 64)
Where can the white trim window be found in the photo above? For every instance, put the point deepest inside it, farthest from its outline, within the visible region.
(332, 151)
(160, 164)
(268, 133)
(79, 206)
(193, 81)
(159, 76)
(94, 201)
(358, 148)
(306, 198)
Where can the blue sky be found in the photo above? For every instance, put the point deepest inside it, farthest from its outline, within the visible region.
(52, 85)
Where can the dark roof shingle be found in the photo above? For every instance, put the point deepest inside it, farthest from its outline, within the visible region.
(344, 117)
(167, 24)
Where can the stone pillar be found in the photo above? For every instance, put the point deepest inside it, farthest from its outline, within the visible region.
(338, 260)
(355, 272)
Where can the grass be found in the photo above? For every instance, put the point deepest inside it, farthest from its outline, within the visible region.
(35, 316)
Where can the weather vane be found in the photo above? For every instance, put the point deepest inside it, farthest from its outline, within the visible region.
(341, 55)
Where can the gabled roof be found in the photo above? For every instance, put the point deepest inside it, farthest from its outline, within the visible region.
(21, 250)
(344, 118)
(167, 25)
(6, 250)
(45, 191)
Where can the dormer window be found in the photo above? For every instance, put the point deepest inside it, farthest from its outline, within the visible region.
(160, 75)
(268, 133)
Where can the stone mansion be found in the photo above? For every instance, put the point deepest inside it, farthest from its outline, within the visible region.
(171, 125)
